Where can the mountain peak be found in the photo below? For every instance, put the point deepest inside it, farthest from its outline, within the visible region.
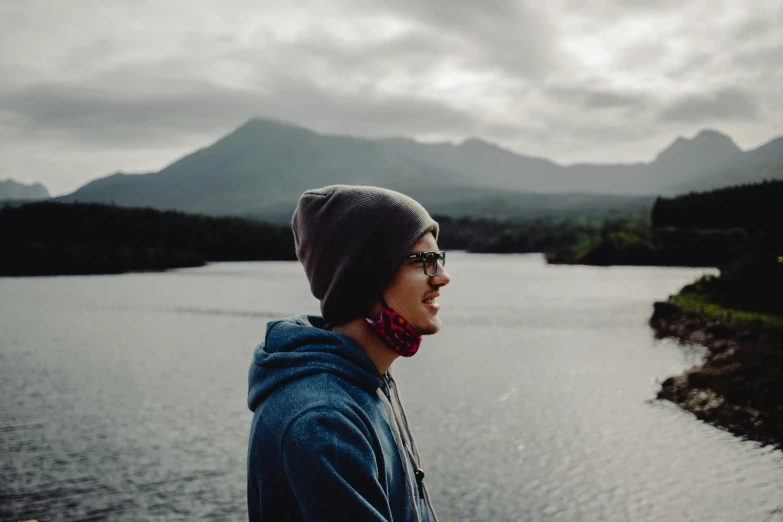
(477, 145)
(478, 142)
(706, 142)
(711, 134)
(258, 123)
(11, 189)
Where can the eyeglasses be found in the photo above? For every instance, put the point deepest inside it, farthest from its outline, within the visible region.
(430, 261)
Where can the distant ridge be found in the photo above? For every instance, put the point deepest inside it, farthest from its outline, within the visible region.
(264, 165)
(764, 163)
(13, 190)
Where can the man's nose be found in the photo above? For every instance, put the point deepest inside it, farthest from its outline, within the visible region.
(442, 278)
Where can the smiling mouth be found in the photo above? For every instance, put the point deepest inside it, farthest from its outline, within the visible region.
(433, 305)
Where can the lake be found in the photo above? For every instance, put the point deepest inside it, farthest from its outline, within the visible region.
(124, 397)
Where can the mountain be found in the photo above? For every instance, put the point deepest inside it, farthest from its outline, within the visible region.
(12, 190)
(684, 160)
(480, 160)
(762, 163)
(262, 167)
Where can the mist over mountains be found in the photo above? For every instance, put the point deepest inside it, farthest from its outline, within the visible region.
(262, 167)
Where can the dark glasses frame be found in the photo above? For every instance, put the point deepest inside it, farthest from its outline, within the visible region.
(438, 256)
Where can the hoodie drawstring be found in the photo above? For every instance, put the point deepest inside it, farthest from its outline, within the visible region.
(398, 421)
(401, 448)
(419, 471)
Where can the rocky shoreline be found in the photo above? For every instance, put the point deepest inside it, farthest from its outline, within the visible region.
(739, 387)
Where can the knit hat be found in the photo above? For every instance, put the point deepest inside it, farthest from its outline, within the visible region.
(351, 240)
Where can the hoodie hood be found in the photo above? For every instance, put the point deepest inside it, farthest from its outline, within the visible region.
(298, 347)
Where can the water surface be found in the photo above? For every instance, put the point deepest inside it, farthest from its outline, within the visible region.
(124, 397)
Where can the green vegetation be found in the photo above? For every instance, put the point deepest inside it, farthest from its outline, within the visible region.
(738, 386)
(745, 242)
(663, 247)
(717, 229)
(58, 239)
(756, 208)
(693, 301)
(548, 235)
(597, 239)
(749, 288)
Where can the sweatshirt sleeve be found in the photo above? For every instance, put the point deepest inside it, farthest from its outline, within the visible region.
(331, 468)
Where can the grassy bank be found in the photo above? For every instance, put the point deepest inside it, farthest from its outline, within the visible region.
(716, 312)
(739, 386)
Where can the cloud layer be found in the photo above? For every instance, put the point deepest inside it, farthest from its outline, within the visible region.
(93, 87)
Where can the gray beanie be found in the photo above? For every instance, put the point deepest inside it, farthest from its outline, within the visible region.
(351, 240)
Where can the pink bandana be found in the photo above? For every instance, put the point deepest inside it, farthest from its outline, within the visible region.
(396, 332)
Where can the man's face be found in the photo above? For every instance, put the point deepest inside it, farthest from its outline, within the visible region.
(410, 288)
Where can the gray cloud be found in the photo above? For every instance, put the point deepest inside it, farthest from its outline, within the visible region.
(93, 115)
(591, 98)
(761, 23)
(612, 9)
(371, 112)
(413, 50)
(721, 105)
(511, 36)
(761, 60)
(144, 113)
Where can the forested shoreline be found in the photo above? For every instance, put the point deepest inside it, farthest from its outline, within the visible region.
(694, 230)
(737, 315)
(77, 238)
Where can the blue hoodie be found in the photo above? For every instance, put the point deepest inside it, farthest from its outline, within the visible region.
(329, 438)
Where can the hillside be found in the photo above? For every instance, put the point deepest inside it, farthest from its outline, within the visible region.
(262, 168)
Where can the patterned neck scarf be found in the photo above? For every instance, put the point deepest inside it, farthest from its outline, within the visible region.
(396, 332)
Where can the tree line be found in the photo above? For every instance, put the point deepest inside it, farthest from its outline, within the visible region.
(736, 229)
(547, 235)
(751, 276)
(77, 238)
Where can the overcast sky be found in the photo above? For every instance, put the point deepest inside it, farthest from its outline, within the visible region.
(93, 87)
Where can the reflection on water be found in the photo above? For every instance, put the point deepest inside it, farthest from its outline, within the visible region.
(124, 397)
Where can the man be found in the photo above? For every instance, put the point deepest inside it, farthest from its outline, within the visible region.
(329, 439)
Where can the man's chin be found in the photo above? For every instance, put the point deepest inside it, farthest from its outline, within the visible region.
(430, 329)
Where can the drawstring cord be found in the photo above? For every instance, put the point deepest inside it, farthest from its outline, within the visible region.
(401, 439)
(419, 471)
(401, 448)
